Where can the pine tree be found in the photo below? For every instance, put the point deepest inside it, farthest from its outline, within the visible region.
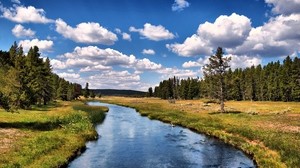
(217, 67)
(86, 92)
(150, 92)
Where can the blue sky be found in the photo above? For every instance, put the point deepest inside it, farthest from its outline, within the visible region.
(134, 44)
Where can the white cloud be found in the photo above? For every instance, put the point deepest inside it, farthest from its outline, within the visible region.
(22, 14)
(152, 32)
(284, 6)
(192, 46)
(181, 73)
(89, 32)
(278, 37)
(191, 64)
(237, 61)
(118, 80)
(243, 61)
(44, 45)
(95, 68)
(57, 64)
(179, 5)
(20, 31)
(92, 58)
(226, 31)
(146, 65)
(148, 51)
(199, 63)
(126, 36)
(117, 30)
(69, 75)
(16, 1)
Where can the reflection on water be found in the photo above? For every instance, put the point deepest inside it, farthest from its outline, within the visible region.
(131, 141)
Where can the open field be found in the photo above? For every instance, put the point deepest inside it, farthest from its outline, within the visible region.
(268, 131)
(48, 136)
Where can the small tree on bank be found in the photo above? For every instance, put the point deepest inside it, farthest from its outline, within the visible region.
(217, 68)
(86, 92)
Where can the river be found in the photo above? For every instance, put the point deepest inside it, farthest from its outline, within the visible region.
(128, 140)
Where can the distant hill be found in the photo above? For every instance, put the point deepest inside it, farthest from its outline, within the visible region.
(115, 92)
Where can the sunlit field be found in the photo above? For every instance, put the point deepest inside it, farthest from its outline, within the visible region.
(48, 136)
(268, 131)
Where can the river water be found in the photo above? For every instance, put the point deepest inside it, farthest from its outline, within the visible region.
(128, 140)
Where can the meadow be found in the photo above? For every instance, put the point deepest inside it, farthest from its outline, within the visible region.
(47, 136)
(269, 132)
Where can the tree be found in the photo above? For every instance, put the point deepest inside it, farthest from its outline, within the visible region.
(217, 67)
(86, 92)
(150, 92)
(10, 89)
(93, 95)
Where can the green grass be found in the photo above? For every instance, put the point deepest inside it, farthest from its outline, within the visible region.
(271, 137)
(46, 136)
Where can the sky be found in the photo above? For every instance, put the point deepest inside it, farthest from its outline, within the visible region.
(135, 44)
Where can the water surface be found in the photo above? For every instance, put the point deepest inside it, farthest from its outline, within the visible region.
(128, 140)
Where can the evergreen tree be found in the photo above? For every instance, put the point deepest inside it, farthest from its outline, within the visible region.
(86, 92)
(218, 66)
(92, 94)
(150, 92)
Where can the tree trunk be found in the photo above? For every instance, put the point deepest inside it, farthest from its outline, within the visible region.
(222, 84)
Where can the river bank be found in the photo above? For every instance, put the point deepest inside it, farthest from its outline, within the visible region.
(268, 131)
(47, 136)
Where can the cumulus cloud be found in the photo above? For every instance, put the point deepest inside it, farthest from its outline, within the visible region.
(69, 75)
(16, 1)
(146, 65)
(284, 6)
(126, 36)
(191, 64)
(237, 61)
(20, 31)
(57, 64)
(278, 37)
(192, 46)
(226, 31)
(179, 5)
(148, 51)
(118, 80)
(92, 58)
(181, 73)
(98, 67)
(243, 61)
(44, 45)
(152, 32)
(89, 32)
(22, 14)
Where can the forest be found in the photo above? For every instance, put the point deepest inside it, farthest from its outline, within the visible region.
(275, 81)
(27, 79)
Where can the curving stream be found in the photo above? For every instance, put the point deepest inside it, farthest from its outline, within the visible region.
(128, 140)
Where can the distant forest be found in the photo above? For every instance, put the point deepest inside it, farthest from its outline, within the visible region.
(272, 82)
(27, 80)
(115, 92)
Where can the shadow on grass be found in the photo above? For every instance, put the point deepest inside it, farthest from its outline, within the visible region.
(46, 107)
(226, 112)
(39, 126)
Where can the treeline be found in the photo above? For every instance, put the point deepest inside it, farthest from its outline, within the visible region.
(272, 82)
(27, 80)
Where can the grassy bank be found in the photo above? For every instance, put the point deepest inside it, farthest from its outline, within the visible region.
(47, 136)
(267, 131)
